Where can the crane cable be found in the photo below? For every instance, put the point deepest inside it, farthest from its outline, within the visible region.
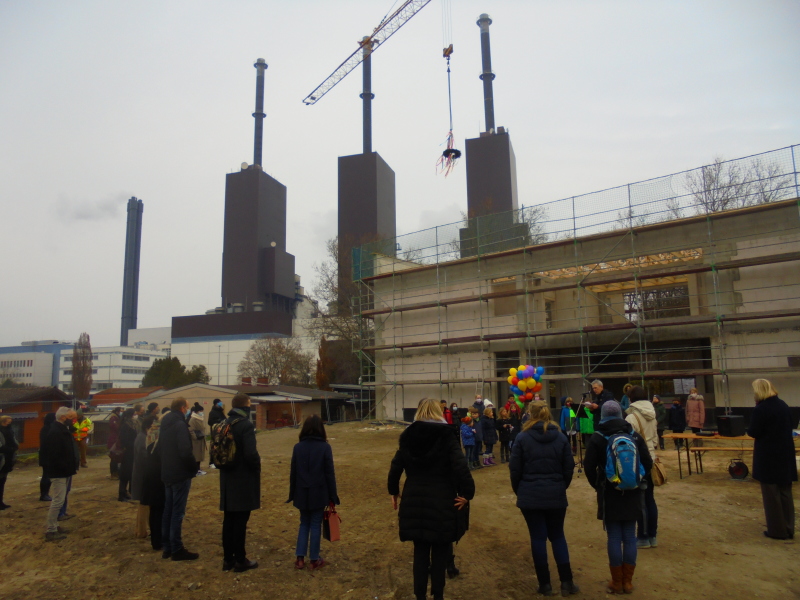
(447, 161)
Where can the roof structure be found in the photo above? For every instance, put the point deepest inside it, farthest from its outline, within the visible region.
(12, 396)
(121, 395)
(277, 390)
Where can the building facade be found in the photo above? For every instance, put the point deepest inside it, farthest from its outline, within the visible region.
(114, 366)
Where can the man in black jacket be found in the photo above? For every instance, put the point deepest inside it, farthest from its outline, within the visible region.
(216, 414)
(60, 461)
(600, 396)
(178, 467)
(239, 487)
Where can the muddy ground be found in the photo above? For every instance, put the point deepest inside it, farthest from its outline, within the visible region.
(710, 538)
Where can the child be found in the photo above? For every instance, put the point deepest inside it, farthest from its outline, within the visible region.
(489, 436)
(567, 424)
(504, 428)
(477, 428)
(468, 440)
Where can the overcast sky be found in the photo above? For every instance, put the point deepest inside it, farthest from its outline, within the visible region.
(103, 100)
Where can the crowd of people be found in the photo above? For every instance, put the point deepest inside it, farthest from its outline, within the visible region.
(155, 457)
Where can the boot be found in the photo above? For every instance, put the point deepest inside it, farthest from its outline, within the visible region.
(491, 461)
(452, 570)
(615, 585)
(627, 578)
(567, 585)
(543, 575)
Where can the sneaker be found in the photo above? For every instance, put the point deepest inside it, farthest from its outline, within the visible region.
(244, 565)
(65, 517)
(45, 499)
(653, 542)
(212, 466)
(54, 536)
(316, 564)
(201, 473)
(643, 543)
(300, 563)
(184, 554)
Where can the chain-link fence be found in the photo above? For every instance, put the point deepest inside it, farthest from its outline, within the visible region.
(720, 186)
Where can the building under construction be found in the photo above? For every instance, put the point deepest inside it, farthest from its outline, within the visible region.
(688, 280)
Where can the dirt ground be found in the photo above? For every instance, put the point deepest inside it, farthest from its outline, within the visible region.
(710, 538)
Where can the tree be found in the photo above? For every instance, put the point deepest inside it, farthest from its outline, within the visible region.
(170, 373)
(82, 368)
(280, 361)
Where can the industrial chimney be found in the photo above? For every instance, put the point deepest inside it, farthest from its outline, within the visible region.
(259, 115)
(487, 76)
(130, 282)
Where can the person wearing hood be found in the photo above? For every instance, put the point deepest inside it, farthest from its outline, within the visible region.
(541, 470)
(197, 427)
(642, 417)
(217, 413)
(619, 510)
(434, 511)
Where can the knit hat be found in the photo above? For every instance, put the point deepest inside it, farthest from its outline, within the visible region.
(197, 408)
(610, 410)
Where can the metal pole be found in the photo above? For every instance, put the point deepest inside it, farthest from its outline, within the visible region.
(259, 115)
(367, 95)
(487, 76)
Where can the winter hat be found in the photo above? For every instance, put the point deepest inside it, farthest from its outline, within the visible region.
(197, 408)
(488, 404)
(610, 410)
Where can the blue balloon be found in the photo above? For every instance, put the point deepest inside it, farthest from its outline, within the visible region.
(540, 370)
(536, 377)
(516, 390)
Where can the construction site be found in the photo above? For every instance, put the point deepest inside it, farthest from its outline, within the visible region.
(688, 280)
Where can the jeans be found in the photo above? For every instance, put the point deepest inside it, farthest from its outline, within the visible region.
(469, 451)
(310, 527)
(66, 497)
(505, 452)
(44, 486)
(234, 530)
(488, 449)
(650, 510)
(621, 542)
(661, 438)
(544, 525)
(176, 496)
(58, 490)
(430, 558)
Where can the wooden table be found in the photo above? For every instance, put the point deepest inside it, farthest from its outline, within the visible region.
(714, 438)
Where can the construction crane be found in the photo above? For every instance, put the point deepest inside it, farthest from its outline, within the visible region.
(388, 26)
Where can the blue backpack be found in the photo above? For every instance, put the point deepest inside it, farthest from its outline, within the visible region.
(623, 468)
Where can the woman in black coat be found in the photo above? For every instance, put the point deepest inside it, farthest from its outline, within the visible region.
(127, 440)
(152, 488)
(619, 510)
(312, 487)
(44, 483)
(774, 464)
(541, 470)
(9, 452)
(434, 508)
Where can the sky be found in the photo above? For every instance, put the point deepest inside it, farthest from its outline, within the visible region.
(103, 100)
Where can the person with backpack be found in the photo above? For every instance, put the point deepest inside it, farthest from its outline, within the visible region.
(239, 481)
(642, 417)
(615, 462)
(541, 470)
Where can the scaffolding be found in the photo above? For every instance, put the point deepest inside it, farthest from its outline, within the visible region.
(688, 280)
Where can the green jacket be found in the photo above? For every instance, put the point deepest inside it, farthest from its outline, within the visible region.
(662, 421)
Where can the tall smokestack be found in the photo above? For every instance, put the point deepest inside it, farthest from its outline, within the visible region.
(259, 115)
(130, 282)
(487, 76)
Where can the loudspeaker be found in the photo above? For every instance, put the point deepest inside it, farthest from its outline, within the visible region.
(731, 425)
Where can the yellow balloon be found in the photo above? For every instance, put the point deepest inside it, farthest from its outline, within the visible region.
(521, 368)
(531, 382)
(512, 372)
(510, 380)
(522, 385)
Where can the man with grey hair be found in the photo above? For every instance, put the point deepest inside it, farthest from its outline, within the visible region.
(600, 396)
(60, 461)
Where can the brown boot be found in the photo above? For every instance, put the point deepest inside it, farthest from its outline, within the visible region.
(615, 585)
(627, 578)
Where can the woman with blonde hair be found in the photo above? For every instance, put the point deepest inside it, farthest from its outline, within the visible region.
(434, 508)
(774, 466)
(541, 469)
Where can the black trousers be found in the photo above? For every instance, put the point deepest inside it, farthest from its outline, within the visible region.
(778, 509)
(431, 558)
(114, 468)
(234, 530)
(3, 477)
(505, 452)
(154, 521)
(44, 485)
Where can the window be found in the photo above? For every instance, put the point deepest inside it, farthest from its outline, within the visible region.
(548, 314)
(134, 371)
(69, 358)
(659, 303)
(69, 371)
(138, 357)
(103, 386)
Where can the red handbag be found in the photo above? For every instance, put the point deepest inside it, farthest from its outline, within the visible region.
(330, 523)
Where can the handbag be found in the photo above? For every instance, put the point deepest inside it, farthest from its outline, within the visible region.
(658, 473)
(330, 523)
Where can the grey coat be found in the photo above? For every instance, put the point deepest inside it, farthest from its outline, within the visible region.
(197, 428)
(139, 466)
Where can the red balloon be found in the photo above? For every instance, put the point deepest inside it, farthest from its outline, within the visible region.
(537, 387)
(529, 396)
(514, 380)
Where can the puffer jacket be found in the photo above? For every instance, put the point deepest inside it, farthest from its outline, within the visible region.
(489, 430)
(642, 417)
(436, 472)
(695, 411)
(467, 435)
(541, 468)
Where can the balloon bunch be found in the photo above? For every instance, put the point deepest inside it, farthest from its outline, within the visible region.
(525, 382)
